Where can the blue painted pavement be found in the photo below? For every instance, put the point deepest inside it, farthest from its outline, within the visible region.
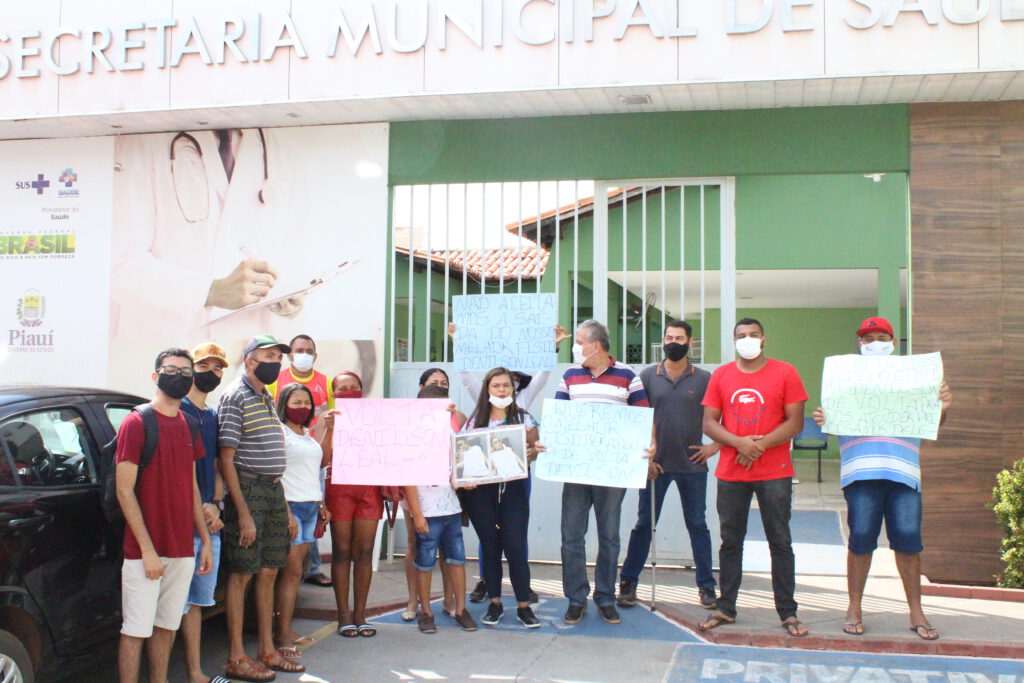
(638, 623)
(729, 664)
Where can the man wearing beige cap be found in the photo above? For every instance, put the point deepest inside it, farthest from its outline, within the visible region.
(257, 524)
(209, 362)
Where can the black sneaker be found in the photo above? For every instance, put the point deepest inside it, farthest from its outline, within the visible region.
(479, 593)
(465, 620)
(533, 597)
(609, 614)
(708, 598)
(527, 618)
(627, 593)
(426, 623)
(495, 612)
(574, 614)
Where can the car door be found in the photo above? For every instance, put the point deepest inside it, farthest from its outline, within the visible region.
(58, 539)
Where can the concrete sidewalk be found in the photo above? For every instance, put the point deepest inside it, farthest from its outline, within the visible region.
(968, 626)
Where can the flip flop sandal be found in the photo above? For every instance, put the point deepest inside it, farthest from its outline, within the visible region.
(304, 640)
(715, 620)
(367, 631)
(930, 632)
(408, 616)
(275, 661)
(349, 631)
(854, 628)
(220, 679)
(793, 626)
(290, 652)
(245, 669)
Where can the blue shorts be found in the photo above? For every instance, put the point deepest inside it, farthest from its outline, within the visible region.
(869, 501)
(305, 514)
(445, 533)
(200, 592)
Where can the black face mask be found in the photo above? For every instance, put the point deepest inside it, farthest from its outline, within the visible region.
(676, 351)
(206, 381)
(267, 372)
(175, 386)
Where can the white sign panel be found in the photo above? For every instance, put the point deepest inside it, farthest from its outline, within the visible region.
(74, 57)
(54, 260)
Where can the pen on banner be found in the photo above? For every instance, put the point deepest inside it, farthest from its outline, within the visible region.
(248, 254)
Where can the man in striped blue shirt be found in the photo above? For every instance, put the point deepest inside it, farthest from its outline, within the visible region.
(598, 378)
(881, 479)
(257, 523)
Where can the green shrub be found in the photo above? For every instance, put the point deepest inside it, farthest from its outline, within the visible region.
(1008, 504)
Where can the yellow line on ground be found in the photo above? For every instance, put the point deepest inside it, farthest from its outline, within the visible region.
(320, 634)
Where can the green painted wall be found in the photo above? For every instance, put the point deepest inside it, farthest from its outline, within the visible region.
(801, 201)
(856, 139)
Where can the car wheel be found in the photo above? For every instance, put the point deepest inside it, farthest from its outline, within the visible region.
(15, 666)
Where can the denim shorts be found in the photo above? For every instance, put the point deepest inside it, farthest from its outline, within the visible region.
(200, 592)
(869, 501)
(305, 513)
(446, 533)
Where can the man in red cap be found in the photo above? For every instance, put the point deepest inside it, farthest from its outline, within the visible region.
(881, 479)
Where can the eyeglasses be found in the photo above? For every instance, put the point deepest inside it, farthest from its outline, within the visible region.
(173, 370)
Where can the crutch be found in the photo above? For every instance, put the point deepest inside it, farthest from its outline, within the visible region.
(654, 548)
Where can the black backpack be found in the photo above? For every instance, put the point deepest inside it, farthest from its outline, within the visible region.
(111, 506)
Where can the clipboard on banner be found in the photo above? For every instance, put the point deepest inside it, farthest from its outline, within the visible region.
(301, 290)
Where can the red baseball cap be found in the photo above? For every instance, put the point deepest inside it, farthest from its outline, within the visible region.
(875, 324)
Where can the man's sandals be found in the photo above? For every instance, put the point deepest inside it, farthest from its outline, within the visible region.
(925, 632)
(853, 628)
(714, 620)
(245, 669)
(277, 661)
(794, 627)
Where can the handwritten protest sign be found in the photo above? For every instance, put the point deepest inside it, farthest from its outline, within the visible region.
(511, 330)
(594, 443)
(392, 442)
(882, 395)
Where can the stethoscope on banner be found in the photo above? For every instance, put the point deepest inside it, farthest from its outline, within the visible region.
(191, 186)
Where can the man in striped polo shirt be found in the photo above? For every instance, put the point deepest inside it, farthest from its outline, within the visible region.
(257, 524)
(881, 479)
(598, 378)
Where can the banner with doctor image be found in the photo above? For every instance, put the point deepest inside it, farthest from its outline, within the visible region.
(219, 235)
(54, 260)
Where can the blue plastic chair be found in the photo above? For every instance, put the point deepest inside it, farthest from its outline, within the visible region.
(811, 438)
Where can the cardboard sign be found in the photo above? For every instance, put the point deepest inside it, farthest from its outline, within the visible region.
(595, 443)
(489, 456)
(882, 395)
(515, 331)
(392, 442)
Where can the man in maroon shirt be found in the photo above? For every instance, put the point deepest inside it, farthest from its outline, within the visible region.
(161, 506)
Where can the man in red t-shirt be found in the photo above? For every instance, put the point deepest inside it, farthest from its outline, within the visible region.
(161, 506)
(753, 407)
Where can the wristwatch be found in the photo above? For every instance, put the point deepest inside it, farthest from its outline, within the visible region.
(219, 503)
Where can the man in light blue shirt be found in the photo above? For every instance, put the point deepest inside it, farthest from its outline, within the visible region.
(881, 479)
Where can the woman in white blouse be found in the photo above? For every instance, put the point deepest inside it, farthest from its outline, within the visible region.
(301, 482)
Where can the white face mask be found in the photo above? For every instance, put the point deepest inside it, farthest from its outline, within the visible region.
(577, 354)
(303, 362)
(877, 348)
(748, 347)
(500, 402)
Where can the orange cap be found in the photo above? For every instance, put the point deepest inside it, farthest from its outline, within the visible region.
(210, 350)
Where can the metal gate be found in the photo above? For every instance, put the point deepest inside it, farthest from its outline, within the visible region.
(632, 253)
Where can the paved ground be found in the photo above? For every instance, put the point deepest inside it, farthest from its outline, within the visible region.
(984, 637)
(651, 647)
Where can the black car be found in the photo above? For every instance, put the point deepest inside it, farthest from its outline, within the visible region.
(60, 560)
